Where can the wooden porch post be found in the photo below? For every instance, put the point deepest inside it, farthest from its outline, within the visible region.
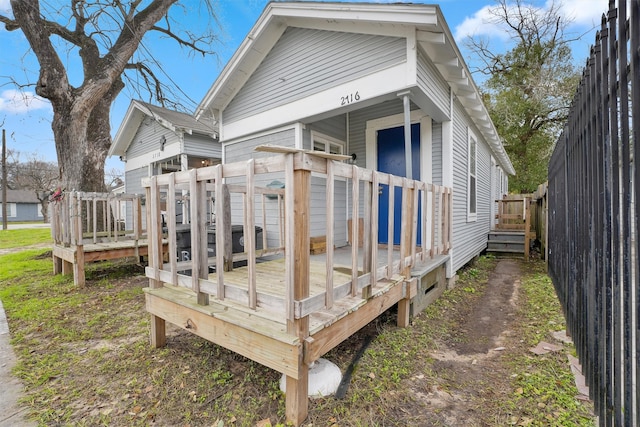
(154, 240)
(297, 390)
(407, 232)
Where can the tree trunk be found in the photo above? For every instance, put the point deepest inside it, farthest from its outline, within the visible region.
(82, 143)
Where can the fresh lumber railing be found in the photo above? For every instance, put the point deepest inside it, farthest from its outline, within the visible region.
(241, 188)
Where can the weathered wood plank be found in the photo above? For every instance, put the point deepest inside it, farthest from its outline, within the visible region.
(330, 193)
(230, 329)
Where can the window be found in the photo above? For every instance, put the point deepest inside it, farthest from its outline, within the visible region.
(326, 144)
(472, 192)
(11, 210)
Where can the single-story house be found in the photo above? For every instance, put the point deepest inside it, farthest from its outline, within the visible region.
(153, 140)
(353, 112)
(349, 78)
(22, 205)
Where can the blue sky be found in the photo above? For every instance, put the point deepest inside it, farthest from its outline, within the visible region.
(27, 119)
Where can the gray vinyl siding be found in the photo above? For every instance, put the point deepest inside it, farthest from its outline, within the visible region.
(308, 61)
(133, 180)
(133, 185)
(244, 151)
(148, 137)
(469, 238)
(318, 209)
(432, 83)
(202, 146)
(436, 149)
(335, 127)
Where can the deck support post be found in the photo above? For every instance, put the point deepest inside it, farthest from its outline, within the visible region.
(407, 231)
(297, 390)
(158, 332)
(154, 236)
(78, 267)
(57, 264)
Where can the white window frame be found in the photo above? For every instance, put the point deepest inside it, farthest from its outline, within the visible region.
(472, 177)
(12, 211)
(328, 141)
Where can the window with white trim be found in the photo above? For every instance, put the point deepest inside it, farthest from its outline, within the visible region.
(327, 144)
(472, 183)
(11, 210)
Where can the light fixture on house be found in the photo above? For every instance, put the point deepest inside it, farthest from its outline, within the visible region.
(163, 141)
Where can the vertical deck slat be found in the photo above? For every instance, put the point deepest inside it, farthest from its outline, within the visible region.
(220, 224)
(202, 252)
(414, 222)
(153, 224)
(195, 232)
(95, 219)
(264, 221)
(373, 238)
(355, 220)
(249, 233)
(108, 220)
(390, 225)
(366, 225)
(171, 228)
(289, 237)
(330, 193)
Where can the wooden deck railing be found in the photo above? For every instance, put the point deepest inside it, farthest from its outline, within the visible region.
(514, 214)
(80, 218)
(240, 191)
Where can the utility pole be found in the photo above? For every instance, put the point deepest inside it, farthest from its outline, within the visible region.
(4, 181)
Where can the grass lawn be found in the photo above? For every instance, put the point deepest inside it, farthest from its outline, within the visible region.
(85, 358)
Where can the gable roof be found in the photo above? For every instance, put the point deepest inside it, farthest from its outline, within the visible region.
(171, 119)
(20, 196)
(432, 34)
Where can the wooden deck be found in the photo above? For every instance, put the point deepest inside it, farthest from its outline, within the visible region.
(285, 308)
(88, 227)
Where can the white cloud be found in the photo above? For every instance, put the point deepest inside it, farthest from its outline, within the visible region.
(479, 25)
(5, 6)
(17, 102)
(583, 13)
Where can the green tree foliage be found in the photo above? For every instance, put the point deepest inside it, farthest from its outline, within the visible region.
(530, 87)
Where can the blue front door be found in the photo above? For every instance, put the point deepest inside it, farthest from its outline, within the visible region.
(391, 159)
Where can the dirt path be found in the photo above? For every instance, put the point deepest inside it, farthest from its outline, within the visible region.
(24, 248)
(468, 363)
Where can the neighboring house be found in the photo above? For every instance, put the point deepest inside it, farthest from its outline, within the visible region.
(342, 78)
(153, 140)
(22, 205)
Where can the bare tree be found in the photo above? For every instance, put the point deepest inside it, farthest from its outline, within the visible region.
(529, 87)
(104, 34)
(39, 176)
(113, 179)
(13, 159)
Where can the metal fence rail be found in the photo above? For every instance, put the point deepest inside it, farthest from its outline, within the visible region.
(593, 221)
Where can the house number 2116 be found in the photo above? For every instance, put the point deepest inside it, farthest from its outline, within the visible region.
(348, 99)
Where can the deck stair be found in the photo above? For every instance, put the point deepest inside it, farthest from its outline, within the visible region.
(507, 241)
(512, 229)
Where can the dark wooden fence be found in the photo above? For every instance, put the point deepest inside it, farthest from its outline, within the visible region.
(594, 219)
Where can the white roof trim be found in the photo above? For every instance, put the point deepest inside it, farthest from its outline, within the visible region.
(432, 34)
